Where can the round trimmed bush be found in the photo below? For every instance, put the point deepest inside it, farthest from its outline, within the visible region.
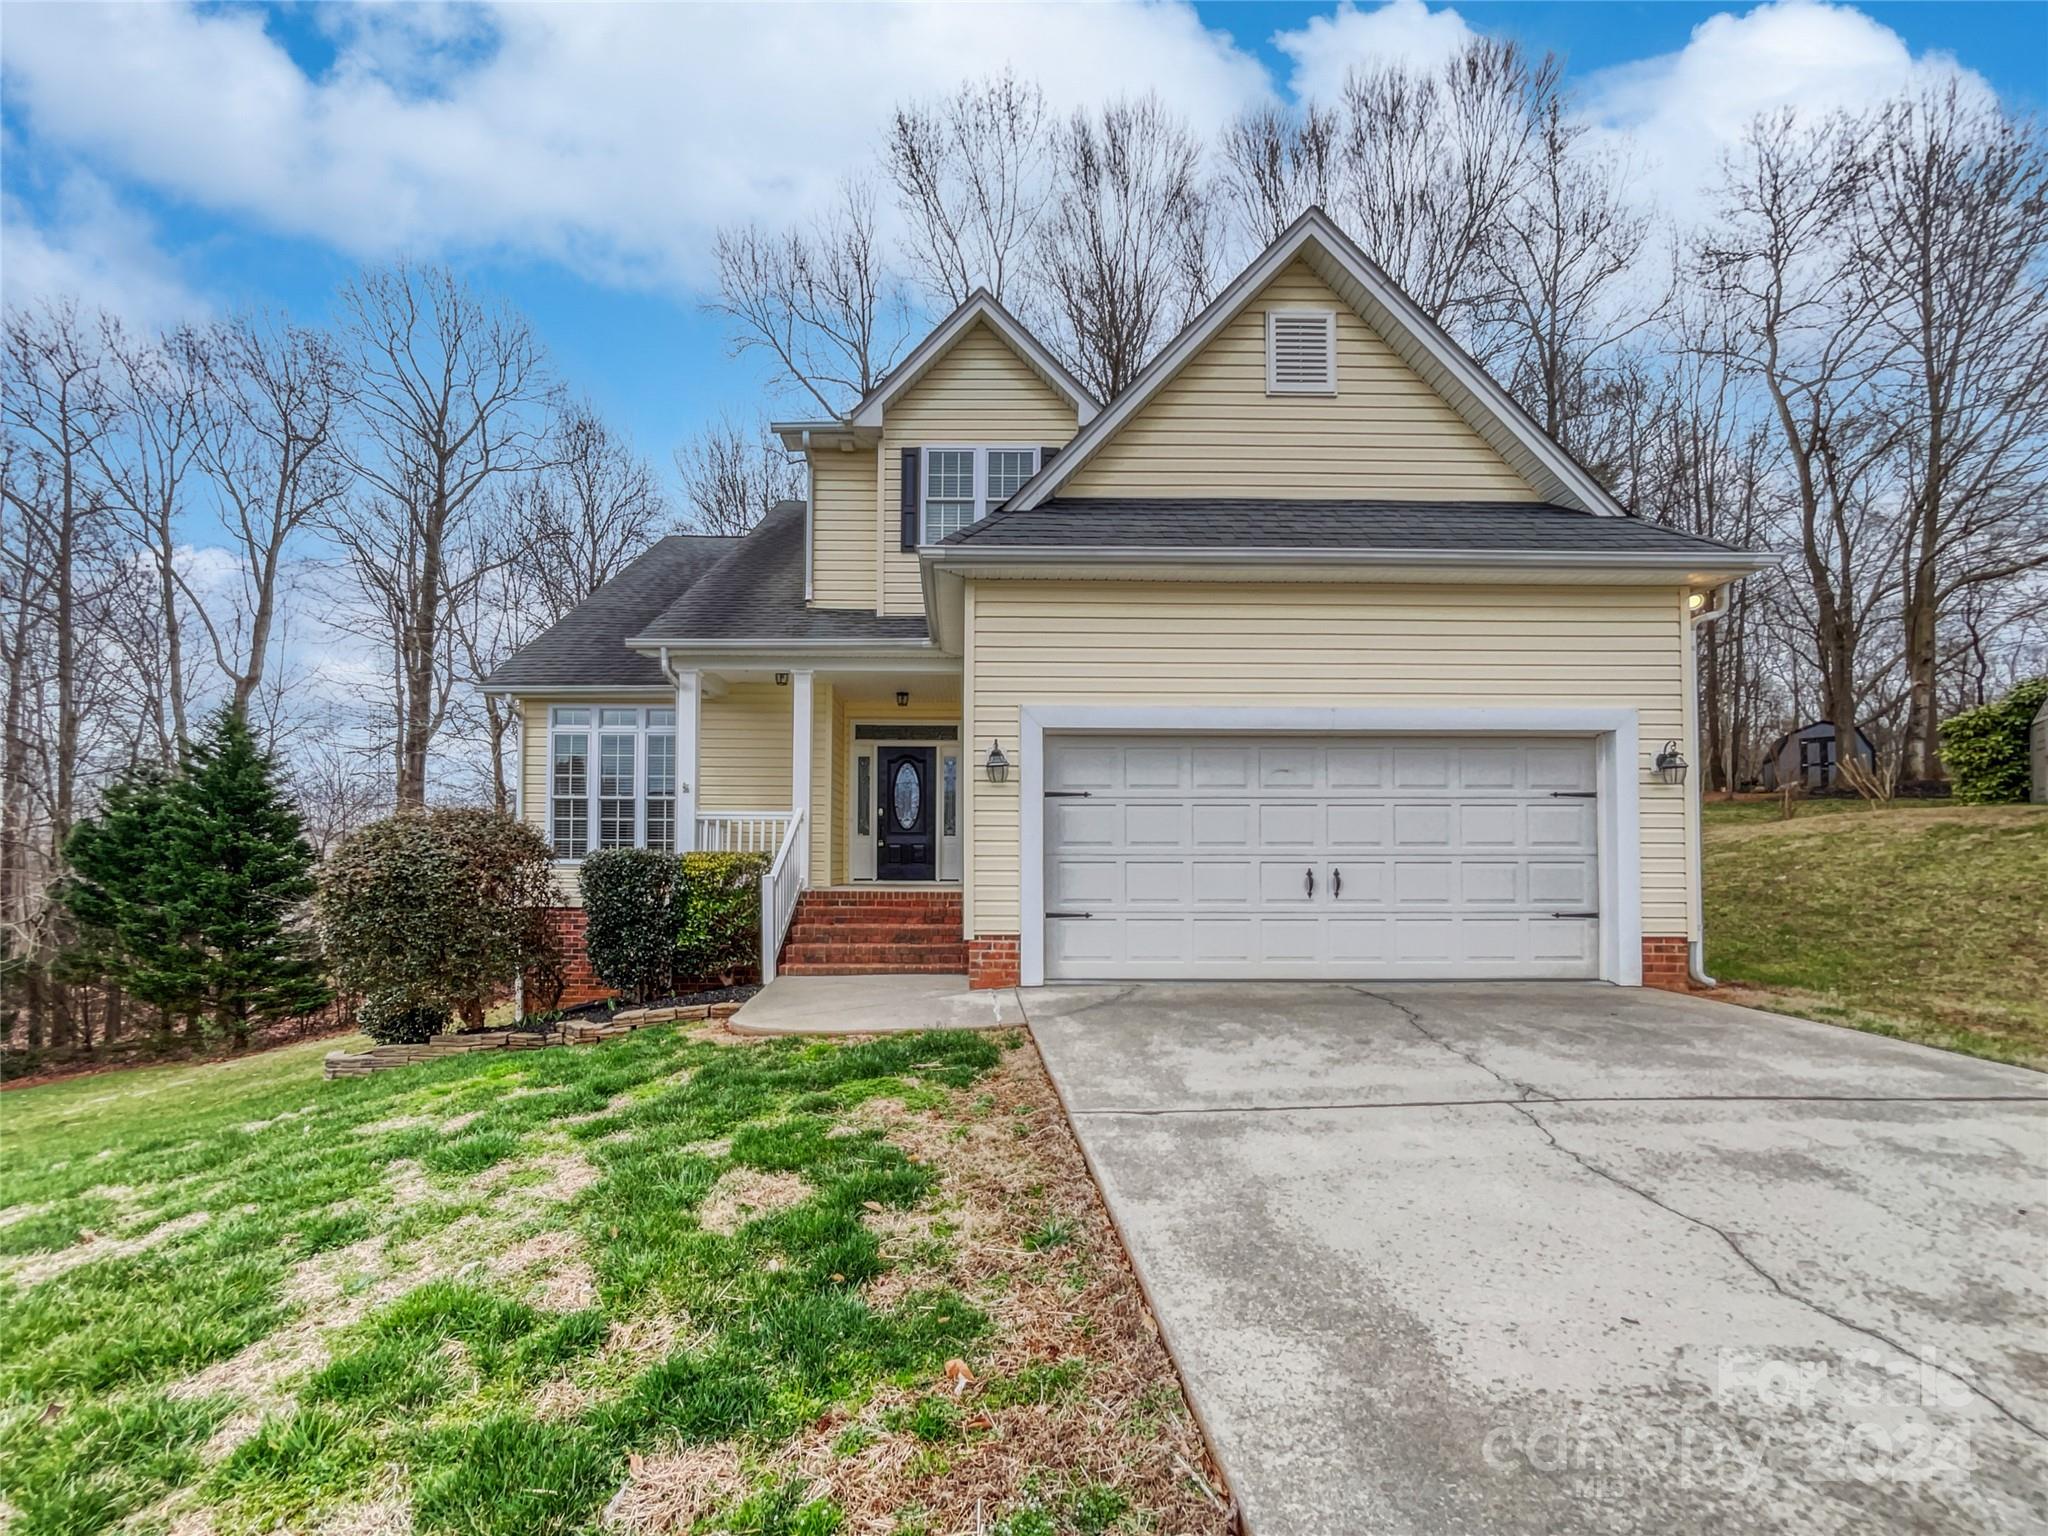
(388, 1019)
(633, 913)
(439, 910)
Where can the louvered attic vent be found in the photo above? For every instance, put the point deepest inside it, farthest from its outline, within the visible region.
(1301, 352)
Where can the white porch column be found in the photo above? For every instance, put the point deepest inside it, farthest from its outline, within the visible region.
(689, 699)
(800, 765)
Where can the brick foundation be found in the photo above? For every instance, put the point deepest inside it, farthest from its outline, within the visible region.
(992, 960)
(1664, 963)
(579, 982)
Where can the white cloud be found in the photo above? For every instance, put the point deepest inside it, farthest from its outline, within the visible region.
(91, 247)
(1680, 112)
(613, 138)
(1406, 32)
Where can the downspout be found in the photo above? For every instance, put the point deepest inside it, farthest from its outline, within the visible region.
(1696, 950)
(810, 515)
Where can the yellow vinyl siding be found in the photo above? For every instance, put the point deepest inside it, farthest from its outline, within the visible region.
(843, 528)
(743, 745)
(1322, 646)
(1212, 430)
(979, 392)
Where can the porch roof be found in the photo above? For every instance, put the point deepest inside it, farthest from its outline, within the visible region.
(756, 592)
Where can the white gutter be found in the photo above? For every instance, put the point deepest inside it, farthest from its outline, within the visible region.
(810, 514)
(1696, 949)
(970, 555)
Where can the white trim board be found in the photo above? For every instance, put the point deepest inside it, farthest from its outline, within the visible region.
(1619, 767)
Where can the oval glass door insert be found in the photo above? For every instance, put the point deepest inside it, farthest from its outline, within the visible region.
(909, 796)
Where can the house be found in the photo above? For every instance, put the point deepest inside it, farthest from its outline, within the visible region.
(1308, 656)
(1807, 757)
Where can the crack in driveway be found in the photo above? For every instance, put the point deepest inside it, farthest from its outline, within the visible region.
(1521, 1105)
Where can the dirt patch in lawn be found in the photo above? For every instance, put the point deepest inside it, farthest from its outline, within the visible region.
(744, 1194)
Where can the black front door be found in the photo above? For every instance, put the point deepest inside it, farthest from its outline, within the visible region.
(904, 846)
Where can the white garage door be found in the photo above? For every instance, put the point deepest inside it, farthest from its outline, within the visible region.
(1335, 857)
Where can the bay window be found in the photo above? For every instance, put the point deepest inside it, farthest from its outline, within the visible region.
(963, 485)
(633, 802)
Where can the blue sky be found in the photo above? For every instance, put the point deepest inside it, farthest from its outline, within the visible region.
(167, 161)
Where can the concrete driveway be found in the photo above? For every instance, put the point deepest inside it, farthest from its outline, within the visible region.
(1471, 1259)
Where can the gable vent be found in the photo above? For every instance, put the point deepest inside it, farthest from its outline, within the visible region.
(1301, 352)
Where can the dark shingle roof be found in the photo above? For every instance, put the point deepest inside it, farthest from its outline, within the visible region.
(588, 648)
(1504, 527)
(757, 592)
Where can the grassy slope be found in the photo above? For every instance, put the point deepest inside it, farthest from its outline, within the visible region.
(1927, 921)
(487, 1295)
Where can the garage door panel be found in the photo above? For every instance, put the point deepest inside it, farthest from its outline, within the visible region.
(1441, 858)
(1214, 883)
(1423, 826)
(1355, 825)
(1221, 824)
(1083, 883)
(1156, 882)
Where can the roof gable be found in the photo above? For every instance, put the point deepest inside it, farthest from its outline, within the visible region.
(1467, 389)
(979, 308)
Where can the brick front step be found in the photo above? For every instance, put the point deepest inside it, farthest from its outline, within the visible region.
(867, 932)
(954, 954)
(873, 968)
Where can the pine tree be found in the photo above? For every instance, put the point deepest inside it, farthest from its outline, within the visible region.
(187, 890)
(244, 873)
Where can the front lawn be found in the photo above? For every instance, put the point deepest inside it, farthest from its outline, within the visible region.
(1924, 920)
(676, 1282)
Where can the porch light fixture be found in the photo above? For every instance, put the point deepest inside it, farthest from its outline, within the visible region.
(1671, 764)
(998, 765)
(782, 679)
(902, 698)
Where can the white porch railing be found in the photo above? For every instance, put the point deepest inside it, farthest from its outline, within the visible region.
(780, 888)
(742, 831)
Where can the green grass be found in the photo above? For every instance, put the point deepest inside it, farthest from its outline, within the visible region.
(428, 1381)
(1921, 920)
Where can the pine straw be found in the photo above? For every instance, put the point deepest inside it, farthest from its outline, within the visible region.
(1124, 1423)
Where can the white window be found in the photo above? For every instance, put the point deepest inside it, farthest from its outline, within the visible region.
(1301, 352)
(963, 485)
(634, 803)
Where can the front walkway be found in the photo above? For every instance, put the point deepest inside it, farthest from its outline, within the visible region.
(880, 1005)
(1447, 1259)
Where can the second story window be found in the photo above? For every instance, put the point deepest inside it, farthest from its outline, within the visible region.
(962, 485)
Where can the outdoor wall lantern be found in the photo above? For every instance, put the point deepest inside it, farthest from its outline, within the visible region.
(782, 679)
(998, 765)
(1671, 764)
(902, 699)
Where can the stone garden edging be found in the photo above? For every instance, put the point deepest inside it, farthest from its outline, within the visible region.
(385, 1058)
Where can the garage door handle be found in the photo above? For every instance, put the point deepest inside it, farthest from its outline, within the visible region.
(1336, 882)
(1308, 881)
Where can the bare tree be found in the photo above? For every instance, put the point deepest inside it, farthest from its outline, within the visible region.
(1428, 162)
(972, 172)
(448, 396)
(272, 448)
(1566, 286)
(732, 476)
(818, 299)
(158, 445)
(1123, 249)
(1276, 167)
(1955, 247)
(1781, 256)
(583, 515)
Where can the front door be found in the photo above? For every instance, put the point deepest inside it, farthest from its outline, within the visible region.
(905, 848)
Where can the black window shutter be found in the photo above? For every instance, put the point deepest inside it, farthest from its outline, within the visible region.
(1048, 454)
(910, 459)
